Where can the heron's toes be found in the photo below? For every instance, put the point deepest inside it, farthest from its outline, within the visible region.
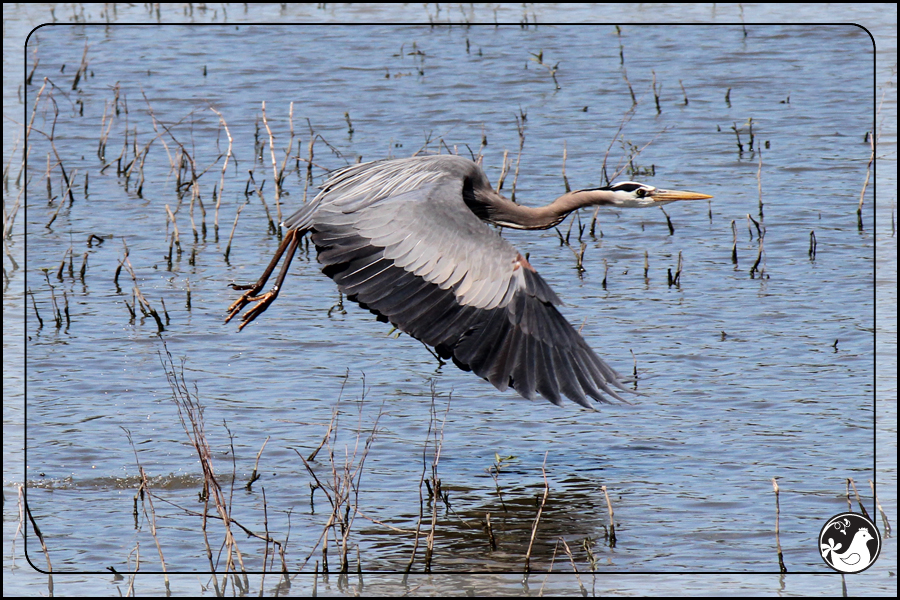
(262, 303)
(236, 307)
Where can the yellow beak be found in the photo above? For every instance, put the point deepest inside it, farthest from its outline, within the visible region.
(672, 195)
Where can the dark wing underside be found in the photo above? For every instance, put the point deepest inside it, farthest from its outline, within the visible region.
(424, 262)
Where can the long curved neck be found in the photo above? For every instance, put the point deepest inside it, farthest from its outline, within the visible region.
(502, 211)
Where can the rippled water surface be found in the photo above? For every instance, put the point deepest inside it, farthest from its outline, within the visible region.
(750, 370)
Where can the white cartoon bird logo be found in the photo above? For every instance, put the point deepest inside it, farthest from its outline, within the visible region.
(854, 557)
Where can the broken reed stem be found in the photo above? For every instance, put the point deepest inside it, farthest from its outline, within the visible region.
(677, 279)
(760, 234)
(62, 263)
(612, 522)
(884, 519)
(490, 531)
(9, 218)
(574, 568)
(605, 273)
(734, 257)
(656, 92)
(82, 68)
(549, 569)
(224, 169)
(862, 194)
(233, 227)
(504, 169)
(139, 299)
(255, 475)
(49, 180)
(565, 179)
(594, 223)
(176, 238)
(634, 372)
(862, 507)
(262, 198)
(630, 89)
(66, 308)
(737, 133)
(137, 567)
(309, 161)
(537, 518)
(287, 153)
(759, 231)
(57, 315)
(435, 481)
(520, 127)
(812, 245)
(20, 520)
(781, 566)
(758, 176)
(274, 164)
(334, 413)
(668, 221)
(145, 494)
(755, 268)
(37, 531)
(37, 100)
(67, 191)
(36, 313)
(195, 196)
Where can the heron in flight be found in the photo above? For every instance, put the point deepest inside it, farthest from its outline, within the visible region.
(410, 240)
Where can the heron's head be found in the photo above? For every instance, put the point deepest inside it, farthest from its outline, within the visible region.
(631, 194)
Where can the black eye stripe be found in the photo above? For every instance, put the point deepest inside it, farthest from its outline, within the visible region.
(627, 186)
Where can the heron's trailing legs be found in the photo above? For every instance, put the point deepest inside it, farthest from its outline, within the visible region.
(289, 244)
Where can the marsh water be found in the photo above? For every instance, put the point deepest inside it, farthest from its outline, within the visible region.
(749, 370)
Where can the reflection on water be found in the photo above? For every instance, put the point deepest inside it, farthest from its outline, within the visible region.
(747, 378)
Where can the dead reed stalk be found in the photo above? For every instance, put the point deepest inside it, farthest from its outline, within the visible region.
(433, 484)
(190, 415)
(520, 127)
(884, 519)
(228, 155)
(278, 176)
(781, 566)
(342, 491)
(537, 518)
(144, 494)
(859, 502)
(611, 536)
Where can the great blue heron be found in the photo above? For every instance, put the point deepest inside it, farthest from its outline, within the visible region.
(410, 240)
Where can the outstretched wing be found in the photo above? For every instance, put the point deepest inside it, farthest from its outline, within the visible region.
(401, 241)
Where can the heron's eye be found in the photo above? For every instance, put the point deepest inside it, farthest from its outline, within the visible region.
(640, 192)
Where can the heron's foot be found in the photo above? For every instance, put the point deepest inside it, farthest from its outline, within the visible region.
(262, 303)
(238, 305)
(247, 297)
